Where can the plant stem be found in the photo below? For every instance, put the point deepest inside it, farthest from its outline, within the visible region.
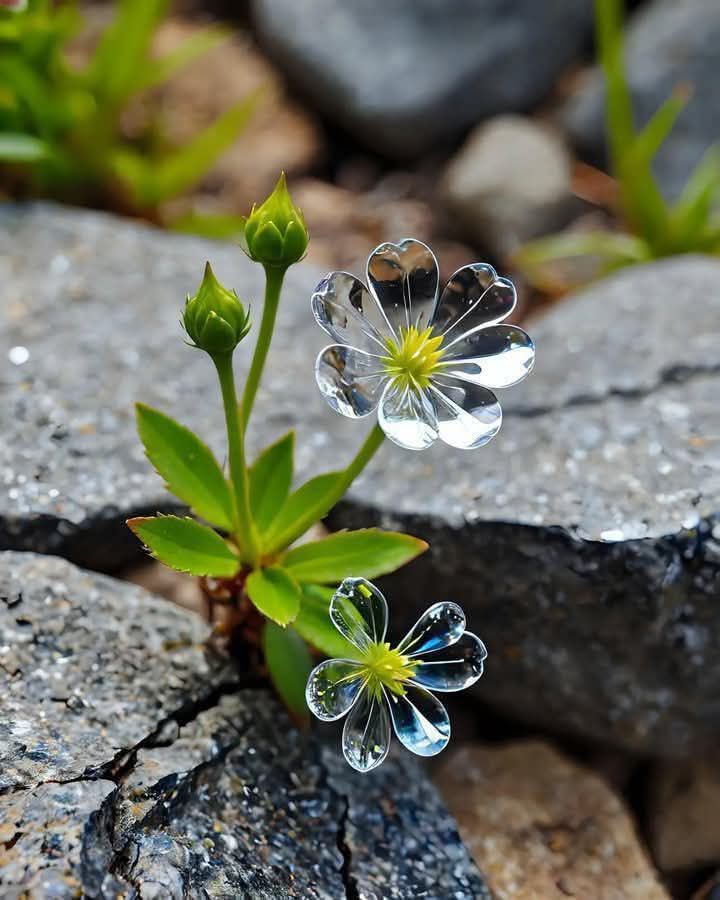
(273, 284)
(236, 456)
(346, 477)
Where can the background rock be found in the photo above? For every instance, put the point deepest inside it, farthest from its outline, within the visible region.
(583, 541)
(407, 75)
(131, 758)
(509, 182)
(542, 826)
(668, 44)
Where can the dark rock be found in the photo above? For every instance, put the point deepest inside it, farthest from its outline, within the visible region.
(668, 44)
(584, 541)
(406, 75)
(230, 802)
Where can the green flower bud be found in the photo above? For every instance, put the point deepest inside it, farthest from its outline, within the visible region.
(214, 319)
(275, 233)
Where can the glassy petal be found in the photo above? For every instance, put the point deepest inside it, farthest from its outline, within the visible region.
(343, 307)
(439, 626)
(366, 735)
(359, 612)
(350, 380)
(496, 357)
(404, 279)
(420, 720)
(474, 296)
(453, 668)
(333, 687)
(408, 417)
(468, 415)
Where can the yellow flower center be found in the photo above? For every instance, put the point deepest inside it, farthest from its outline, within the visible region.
(413, 357)
(385, 667)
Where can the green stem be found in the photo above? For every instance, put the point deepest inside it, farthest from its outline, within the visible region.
(346, 477)
(273, 285)
(236, 456)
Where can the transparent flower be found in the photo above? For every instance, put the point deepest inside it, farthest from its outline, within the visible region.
(383, 684)
(427, 361)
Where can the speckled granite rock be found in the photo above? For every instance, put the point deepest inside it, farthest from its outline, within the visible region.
(668, 44)
(580, 540)
(135, 764)
(404, 75)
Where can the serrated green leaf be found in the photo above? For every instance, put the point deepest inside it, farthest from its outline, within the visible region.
(270, 478)
(315, 625)
(186, 545)
(303, 508)
(188, 466)
(367, 553)
(275, 594)
(289, 664)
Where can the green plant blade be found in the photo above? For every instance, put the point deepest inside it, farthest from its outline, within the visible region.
(157, 71)
(186, 545)
(275, 594)
(367, 553)
(316, 627)
(270, 478)
(188, 466)
(184, 168)
(22, 148)
(303, 508)
(289, 664)
(691, 216)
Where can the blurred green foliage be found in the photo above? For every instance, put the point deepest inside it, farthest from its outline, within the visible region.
(61, 126)
(653, 227)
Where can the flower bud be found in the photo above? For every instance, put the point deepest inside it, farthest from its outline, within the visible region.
(275, 233)
(214, 319)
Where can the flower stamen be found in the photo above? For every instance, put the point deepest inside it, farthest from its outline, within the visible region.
(384, 666)
(413, 357)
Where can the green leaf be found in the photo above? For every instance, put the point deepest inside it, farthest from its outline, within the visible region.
(304, 507)
(315, 625)
(157, 71)
(289, 663)
(185, 167)
(274, 593)
(692, 213)
(22, 148)
(186, 545)
(270, 478)
(367, 553)
(188, 466)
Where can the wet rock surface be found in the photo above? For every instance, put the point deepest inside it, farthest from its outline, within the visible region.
(583, 541)
(172, 779)
(543, 826)
(403, 76)
(668, 45)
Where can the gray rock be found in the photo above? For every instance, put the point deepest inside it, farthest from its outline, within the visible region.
(583, 541)
(169, 777)
(668, 44)
(509, 182)
(406, 75)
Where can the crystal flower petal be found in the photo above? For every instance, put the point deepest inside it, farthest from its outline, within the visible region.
(453, 668)
(350, 380)
(366, 734)
(439, 626)
(498, 356)
(333, 687)
(404, 279)
(420, 721)
(359, 612)
(343, 307)
(408, 417)
(474, 296)
(468, 415)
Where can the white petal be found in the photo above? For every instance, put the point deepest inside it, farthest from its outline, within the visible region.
(408, 417)
(475, 296)
(359, 612)
(453, 668)
(366, 735)
(350, 380)
(343, 307)
(333, 687)
(439, 626)
(495, 357)
(404, 279)
(420, 720)
(468, 416)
